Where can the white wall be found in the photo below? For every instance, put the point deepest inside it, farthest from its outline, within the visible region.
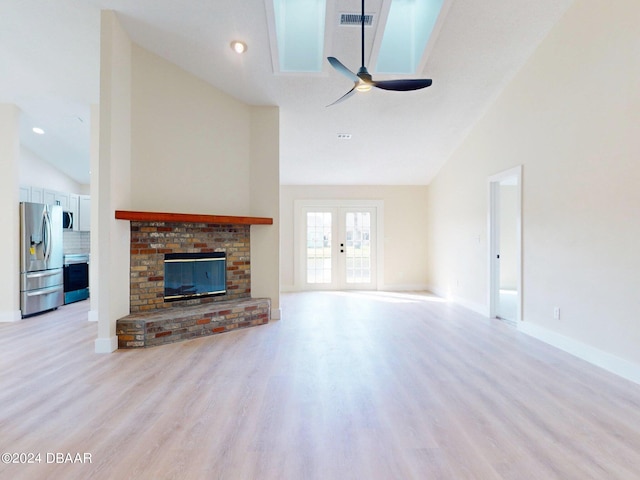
(265, 202)
(111, 182)
(36, 172)
(195, 149)
(9, 241)
(405, 211)
(94, 271)
(170, 142)
(570, 117)
(191, 142)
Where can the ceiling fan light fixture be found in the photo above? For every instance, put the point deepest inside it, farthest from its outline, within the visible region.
(363, 82)
(238, 46)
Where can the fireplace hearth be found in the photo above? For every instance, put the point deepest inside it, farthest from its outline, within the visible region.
(190, 277)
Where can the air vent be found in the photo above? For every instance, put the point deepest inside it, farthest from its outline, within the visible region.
(355, 19)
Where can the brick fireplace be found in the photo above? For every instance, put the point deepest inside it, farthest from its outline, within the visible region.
(154, 321)
(150, 241)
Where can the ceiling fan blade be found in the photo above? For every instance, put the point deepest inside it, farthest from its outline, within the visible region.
(335, 63)
(403, 85)
(345, 96)
(363, 80)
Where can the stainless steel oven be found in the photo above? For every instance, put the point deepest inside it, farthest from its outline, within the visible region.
(76, 277)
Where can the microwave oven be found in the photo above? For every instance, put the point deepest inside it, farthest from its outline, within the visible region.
(67, 220)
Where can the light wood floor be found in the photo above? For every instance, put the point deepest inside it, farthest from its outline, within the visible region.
(346, 386)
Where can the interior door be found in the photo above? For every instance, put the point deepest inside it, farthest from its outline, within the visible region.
(339, 248)
(505, 246)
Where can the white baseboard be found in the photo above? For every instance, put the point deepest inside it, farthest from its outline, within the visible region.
(480, 308)
(417, 287)
(276, 313)
(11, 316)
(439, 292)
(106, 345)
(93, 316)
(607, 361)
(421, 287)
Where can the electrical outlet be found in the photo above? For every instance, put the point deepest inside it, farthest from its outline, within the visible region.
(556, 313)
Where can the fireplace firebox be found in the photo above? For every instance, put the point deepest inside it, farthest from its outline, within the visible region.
(194, 275)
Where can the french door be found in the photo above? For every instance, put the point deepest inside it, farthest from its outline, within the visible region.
(338, 248)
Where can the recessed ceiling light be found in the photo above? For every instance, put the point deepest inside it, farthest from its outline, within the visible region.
(238, 46)
(38, 130)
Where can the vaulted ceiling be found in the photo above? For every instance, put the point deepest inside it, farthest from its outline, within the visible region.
(49, 58)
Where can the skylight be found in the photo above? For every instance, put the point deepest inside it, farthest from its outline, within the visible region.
(300, 34)
(409, 26)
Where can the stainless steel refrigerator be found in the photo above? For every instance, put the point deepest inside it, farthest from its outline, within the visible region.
(41, 258)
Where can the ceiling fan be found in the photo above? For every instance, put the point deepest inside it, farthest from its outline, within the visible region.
(363, 82)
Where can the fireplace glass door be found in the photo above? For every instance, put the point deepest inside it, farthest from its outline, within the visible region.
(194, 275)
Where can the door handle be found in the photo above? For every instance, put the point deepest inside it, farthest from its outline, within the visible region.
(47, 235)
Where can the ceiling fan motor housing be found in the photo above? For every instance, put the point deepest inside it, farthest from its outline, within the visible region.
(364, 75)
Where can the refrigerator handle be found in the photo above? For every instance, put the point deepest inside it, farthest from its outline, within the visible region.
(43, 234)
(47, 236)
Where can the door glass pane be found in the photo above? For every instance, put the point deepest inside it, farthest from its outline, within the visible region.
(358, 247)
(319, 247)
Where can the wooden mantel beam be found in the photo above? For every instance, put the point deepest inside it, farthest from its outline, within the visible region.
(190, 218)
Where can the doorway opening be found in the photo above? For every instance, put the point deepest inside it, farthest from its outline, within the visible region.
(505, 245)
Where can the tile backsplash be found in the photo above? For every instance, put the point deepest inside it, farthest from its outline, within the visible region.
(76, 242)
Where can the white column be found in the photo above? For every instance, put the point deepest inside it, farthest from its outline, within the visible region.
(112, 182)
(94, 278)
(265, 202)
(10, 200)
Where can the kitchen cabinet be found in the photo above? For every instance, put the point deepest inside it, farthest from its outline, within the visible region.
(33, 194)
(62, 199)
(25, 194)
(49, 197)
(78, 205)
(56, 198)
(84, 213)
(73, 208)
(37, 195)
